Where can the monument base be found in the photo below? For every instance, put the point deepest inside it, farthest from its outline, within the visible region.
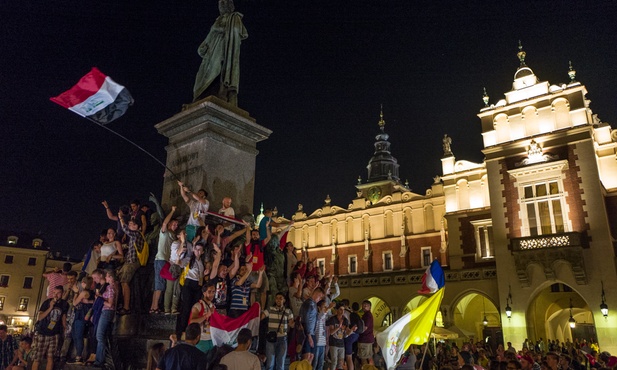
(212, 146)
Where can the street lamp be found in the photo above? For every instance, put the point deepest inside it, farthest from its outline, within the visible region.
(508, 301)
(571, 321)
(485, 321)
(603, 305)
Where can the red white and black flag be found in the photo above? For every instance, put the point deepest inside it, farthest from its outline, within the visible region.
(97, 97)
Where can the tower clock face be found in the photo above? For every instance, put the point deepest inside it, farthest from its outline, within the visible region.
(374, 194)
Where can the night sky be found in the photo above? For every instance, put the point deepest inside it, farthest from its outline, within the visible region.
(314, 72)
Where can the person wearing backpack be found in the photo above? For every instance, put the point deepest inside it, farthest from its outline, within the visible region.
(137, 243)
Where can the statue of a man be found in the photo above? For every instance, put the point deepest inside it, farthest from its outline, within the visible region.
(447, 142)
(219, 73)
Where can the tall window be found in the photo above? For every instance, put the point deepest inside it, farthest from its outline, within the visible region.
(8, 259)
(352, 264)
(484, 239)
(28, 282)
(2, 303)
(4, 281)
(543, 203)
(23, 304)
(321, 265)
(387, 261)
(426, 256)
(32, 261)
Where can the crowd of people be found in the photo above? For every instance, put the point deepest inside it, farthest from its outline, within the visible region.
(224, 265)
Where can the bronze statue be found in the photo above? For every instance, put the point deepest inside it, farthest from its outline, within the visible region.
(219, 73)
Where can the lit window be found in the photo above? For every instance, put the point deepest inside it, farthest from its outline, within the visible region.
(387, 261)
(321, 266)
(8, 259)
(23, 304)
(37, 243)
(28, 282)
(4, 281)
(427, 256)
(353, 264)
(32, 261)
(543, 204)
(12, 240)
(2, 303)
(484, 239)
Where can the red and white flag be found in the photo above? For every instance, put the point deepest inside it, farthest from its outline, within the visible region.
(97, 97)
(224, 329)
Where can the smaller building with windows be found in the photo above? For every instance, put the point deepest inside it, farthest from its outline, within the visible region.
(21, 283)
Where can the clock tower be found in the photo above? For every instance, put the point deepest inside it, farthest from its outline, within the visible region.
(383, 178)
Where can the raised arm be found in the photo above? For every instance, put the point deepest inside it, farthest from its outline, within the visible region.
(248, 233)
(110, 215)
(233, 236)
(217, 261)
(249, 269)
(183, 192)
(236, 265)
(257, 285)
(268, 234)
(167, 219)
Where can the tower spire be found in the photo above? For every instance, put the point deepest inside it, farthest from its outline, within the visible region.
(381, 122)
(571, 72)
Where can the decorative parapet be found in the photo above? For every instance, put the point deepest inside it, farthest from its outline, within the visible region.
(407, 277)
(546, 251)
(572, 239)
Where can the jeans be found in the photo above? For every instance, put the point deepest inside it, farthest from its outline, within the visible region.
(275, 354)
(105, 324)
(79, 327)
(320, 352)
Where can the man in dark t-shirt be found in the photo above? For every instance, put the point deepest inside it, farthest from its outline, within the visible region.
(49, 327)
(338, 325)
(185, 356)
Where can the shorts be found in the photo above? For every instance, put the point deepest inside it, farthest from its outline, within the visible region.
(45, 346)
(127, 271)
(349, 341)
(306, 346)
(159, 282)
(365, 351)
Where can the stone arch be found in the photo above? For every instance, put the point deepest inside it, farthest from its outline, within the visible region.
(560, 108)
(548, 313)
(382, 313)
(502, 127)
(429, 217)
(462, 192)
(470, 307)
(529, 117)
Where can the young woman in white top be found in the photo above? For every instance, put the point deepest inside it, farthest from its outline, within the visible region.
(111, 251)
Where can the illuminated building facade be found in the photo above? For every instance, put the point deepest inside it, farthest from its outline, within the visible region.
(531, 229)
(23, 260)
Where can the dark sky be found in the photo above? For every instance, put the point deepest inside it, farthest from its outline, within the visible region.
(315, 72)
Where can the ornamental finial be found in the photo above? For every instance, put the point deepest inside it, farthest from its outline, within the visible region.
(521, 54)
(381, 122)
(485, 98)
(571, 72)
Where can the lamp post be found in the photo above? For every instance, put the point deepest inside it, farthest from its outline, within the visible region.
(571, 321)
(508, 301)
(603, 305)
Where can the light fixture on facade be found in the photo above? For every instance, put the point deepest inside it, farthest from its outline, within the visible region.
(485, 320)
(603, 305)
(508, 301)
(571, 321)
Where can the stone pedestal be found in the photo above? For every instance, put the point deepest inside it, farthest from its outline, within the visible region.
(212, 145)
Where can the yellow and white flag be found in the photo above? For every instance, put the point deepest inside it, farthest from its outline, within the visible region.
(413, 328)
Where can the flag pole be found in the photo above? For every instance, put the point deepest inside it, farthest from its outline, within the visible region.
(428, 343)
(135, 145)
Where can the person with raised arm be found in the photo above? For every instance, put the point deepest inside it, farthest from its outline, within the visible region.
(198, 206)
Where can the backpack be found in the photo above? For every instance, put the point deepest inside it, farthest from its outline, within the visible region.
(143, 255)
(355, 319)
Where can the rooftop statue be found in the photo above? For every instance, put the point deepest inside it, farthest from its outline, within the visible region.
(219, 73)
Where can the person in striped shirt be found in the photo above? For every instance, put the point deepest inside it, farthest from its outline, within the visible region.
(241, 289)
(280, 319)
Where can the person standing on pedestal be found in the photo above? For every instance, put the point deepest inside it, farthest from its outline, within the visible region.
(198, 206)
